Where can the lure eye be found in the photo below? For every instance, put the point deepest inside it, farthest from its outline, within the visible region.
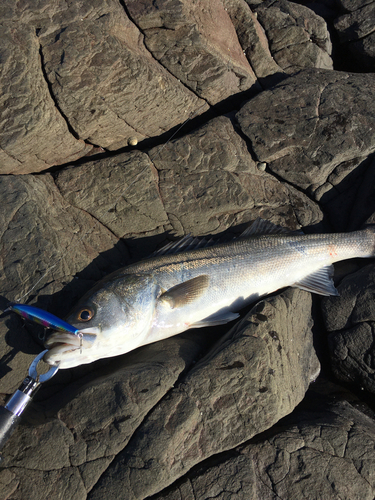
(85, 314)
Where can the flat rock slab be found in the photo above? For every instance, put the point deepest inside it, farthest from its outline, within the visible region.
(253, 377)
(197, 43)
(202, 183)
(298, 38)
(107, 84)
(74, 448)
(208, 182)
(193, 416)
(34, 135)
(314, 130)
(323, 450)
(350, 322)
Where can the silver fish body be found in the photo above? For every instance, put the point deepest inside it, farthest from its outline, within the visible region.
(168, 294)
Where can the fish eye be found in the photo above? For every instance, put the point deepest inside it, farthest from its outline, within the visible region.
(85, 314)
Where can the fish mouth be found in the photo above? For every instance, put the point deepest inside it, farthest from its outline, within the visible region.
(60, 343)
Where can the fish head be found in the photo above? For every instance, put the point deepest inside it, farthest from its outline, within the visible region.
(112, 318)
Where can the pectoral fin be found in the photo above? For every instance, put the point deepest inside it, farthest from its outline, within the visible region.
(186, 293)
(320, 282)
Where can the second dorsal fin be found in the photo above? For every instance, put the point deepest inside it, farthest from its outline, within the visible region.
(261, 227)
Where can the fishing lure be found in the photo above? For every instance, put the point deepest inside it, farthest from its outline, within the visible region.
(41, 317)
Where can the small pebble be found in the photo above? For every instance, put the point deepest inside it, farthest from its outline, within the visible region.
(262, 166)
(132, 141)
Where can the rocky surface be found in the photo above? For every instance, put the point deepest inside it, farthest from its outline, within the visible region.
(356, 31)
(324, 452)
(350, 323)
(205, 117)
(298, 38)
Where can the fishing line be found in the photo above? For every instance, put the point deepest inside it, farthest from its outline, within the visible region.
(40, 279)
(152, 158)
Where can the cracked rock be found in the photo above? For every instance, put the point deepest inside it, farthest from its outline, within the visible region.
(350, 322)
(197, 43)
(253, 40)
(44, 243)
(195, 416)
(34, 136)
(298, 38)
(107, 84)
(320, 451)
(208, 182)
(121, 192)
(258, 373)
(314, 130)
(122, 391)
(357, 32)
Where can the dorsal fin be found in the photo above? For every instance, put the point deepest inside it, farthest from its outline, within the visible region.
(185, 244)
(261, 227)
(257, 228)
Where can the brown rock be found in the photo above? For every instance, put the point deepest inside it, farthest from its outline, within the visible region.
(253, 39)
(298, 38)
(357, 33)
(107, 84)
(314, 130)
(322, 451)
(350, 323)
(34, 135)
(255, 375)
(44, 243)
(120, 191)
(358, 24)
(197, 43)
(209, 182)
(66, 455)
(204, 182)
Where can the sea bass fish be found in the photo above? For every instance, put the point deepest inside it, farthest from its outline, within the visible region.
(190, 285)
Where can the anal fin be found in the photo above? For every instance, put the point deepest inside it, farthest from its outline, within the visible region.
(320, 282)
(219, 319)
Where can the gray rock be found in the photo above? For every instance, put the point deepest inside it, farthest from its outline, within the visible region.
(352, 5)
(209, 182)
(202, 183)
(178, 410)
(258, 373)
(298, 38)
(120, 191)
(198, 44)
(65, 456)
(323, 451)
(105, 81)
(253, 40)
(357, 33)
(34, 135)
(358, 24)
(318, 140)
(44, 243)
(350, 321)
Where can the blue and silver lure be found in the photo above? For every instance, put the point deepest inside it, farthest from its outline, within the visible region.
(70, 337)
(41, 317)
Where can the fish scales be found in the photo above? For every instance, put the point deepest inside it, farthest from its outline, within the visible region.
(168, 294)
